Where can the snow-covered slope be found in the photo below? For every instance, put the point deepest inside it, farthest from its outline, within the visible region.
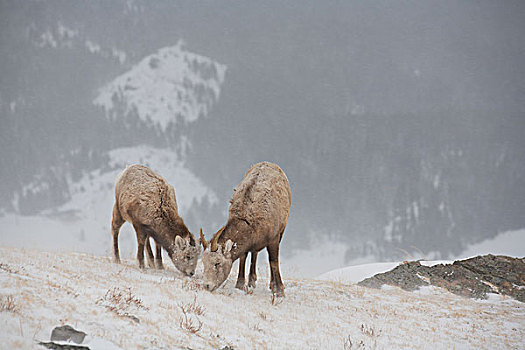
(119, 306)
(170, 86)
(356, 273)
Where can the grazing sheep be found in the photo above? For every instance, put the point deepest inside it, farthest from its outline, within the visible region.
(144, 199)
(257, 218)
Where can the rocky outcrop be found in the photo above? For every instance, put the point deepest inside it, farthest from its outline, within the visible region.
(474, 277)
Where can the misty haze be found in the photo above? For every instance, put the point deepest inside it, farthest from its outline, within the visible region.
(401, 126)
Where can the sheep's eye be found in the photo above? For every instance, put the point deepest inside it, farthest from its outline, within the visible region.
(217, 265)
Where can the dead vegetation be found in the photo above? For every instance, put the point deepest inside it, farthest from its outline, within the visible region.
(348, 344)
(193, 307)
(368, 330)
(121, 302)
(189, 324)
(8, 304)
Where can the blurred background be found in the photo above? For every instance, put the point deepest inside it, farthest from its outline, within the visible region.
(400, 125)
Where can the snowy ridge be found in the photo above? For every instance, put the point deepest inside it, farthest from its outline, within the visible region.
(170, 86)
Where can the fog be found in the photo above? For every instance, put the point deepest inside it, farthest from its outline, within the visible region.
(400, 125)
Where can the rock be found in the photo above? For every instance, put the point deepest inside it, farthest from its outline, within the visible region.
(67, 333)
(51, 345)
(474, 277)
(404, 276)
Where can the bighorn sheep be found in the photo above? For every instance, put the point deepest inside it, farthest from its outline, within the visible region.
(257, 218)
(144, 199)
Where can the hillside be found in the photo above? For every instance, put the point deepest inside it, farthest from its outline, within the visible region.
(119, 306)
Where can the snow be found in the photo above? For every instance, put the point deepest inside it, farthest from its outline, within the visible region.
(354, 274)
(323, 256)
(168, 87)
(50, 289)
(92, 47)
(59, 37)
(357, 273)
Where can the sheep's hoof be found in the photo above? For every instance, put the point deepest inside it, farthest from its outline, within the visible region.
(251, 283)
(278, 294)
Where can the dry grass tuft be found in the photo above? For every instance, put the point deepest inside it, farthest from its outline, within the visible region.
(189, 324)
(193, 307)
(256, 327)
(8, 304)
(121, 302)
(349, 344)
(368, 330)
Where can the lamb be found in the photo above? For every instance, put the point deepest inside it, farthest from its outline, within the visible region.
(257, 218)
(144, 199)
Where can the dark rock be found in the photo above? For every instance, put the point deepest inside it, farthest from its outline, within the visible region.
(51, 345)
(404, 276)
(474, 277)
(67, 333)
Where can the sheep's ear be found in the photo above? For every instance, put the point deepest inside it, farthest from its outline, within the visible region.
(180, 242)
(228, 246)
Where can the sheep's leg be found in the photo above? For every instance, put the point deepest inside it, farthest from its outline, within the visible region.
(240, 277)
(141, 240)
(151, 262)
(272, 283)
(253, 273)
(276, 283)
(116, 223)
(158, 256)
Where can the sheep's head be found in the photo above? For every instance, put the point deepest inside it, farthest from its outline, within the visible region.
(185, 254)
(217, 261)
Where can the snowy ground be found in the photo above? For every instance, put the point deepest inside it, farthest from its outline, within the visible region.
(50, 289)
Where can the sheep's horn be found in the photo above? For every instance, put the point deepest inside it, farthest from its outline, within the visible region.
(215, 239)
(203, 241)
